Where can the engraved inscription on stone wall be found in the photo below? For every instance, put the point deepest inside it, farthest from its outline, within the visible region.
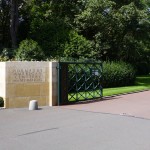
(28, 75)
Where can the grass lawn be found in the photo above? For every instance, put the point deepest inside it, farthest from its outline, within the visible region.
(142, 83)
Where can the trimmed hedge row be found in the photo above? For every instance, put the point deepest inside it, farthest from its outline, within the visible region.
(116, 74)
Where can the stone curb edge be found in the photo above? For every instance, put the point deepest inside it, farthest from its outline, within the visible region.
(138, 91)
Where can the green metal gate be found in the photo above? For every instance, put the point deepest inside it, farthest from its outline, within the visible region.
(79, 81)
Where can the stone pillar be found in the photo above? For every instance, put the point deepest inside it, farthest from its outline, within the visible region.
(53, 82)
(23, 81)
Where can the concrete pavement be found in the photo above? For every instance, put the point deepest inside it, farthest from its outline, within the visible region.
(58, 128)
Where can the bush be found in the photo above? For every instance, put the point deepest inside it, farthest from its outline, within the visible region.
(7, 54)
(29, 50)
(78, 46)
(116, 74)
(1, 102)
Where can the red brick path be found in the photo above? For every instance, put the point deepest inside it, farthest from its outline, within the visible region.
(136, 104)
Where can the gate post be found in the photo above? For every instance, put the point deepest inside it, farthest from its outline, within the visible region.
(62, 83)
(53, 84)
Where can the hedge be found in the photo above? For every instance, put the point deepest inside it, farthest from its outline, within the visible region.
(116, 74)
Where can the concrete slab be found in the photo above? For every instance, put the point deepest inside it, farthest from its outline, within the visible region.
(59, 128)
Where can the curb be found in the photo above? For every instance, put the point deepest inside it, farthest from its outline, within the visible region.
(125, 93)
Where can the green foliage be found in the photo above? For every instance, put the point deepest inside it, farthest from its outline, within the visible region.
(143, 81)
(29, 50)
(48, 28)
(4, 24)
(78, 46)
(105, 29)
(51, 37)
(117, 74)
(143, 68)
(1, 102)
(7, 54)
(116, 28)
(83, 77)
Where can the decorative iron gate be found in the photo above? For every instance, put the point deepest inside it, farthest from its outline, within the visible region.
(79, 81)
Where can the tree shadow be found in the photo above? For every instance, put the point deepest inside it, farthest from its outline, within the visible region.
(143, 81)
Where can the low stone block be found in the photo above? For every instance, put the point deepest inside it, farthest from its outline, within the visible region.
(33, 105)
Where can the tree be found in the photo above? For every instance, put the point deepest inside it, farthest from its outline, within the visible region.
(115, 29)
(78, 46)
(4, 23)
(9, 22)
(118, 28)
(48, 28)
(14, 22)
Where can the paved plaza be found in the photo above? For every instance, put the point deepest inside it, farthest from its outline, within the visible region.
(134, 104)
(87, 126)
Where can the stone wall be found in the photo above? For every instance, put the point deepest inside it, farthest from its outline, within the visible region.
(23, 81)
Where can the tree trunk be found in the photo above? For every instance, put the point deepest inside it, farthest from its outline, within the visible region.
(14, 22)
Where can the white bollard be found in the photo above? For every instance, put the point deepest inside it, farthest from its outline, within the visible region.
(33, 105)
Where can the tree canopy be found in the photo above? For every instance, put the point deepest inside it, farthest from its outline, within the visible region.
(100, 29)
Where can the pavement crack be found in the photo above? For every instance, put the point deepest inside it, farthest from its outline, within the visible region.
(34, 132)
